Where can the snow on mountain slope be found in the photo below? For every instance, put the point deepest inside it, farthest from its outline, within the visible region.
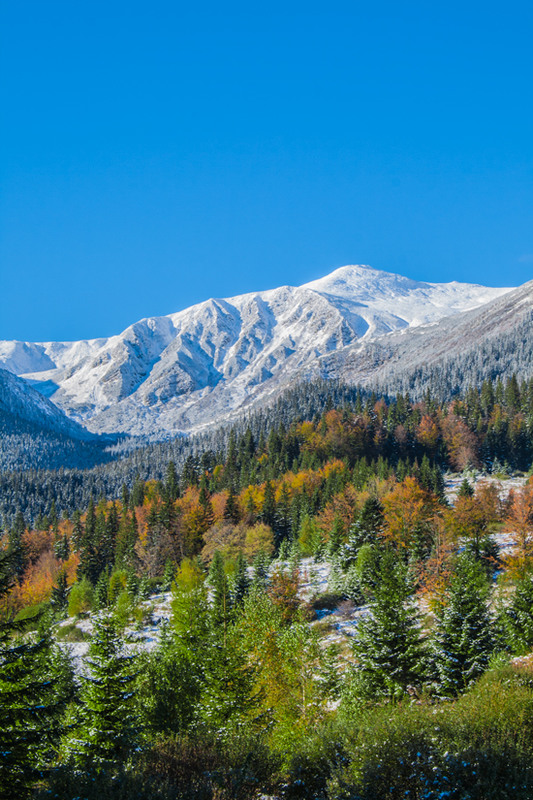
(20, 403)
(493, 339)
(199, 366)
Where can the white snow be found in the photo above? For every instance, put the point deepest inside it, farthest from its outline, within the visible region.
(187, 370)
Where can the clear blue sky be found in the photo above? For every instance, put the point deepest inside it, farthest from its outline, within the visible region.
(153, 155)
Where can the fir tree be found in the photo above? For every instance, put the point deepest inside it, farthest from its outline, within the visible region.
(517, 618)
(62, 548)
(463, 640)
(221, 599)
(59, 596)
(172, 485)
(465, 489)
(261, 568)
(109, 726)
(241, 581)
(231, 509)
(227, 692)
(168, 575)
(388, 645)
(29, 707)
(268, 513)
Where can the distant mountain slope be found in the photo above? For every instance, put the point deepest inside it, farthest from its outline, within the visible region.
(35, 434)
(203, 365)
(20, 402)
(495, 340)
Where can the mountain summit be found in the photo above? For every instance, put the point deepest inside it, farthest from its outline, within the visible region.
(199, 366)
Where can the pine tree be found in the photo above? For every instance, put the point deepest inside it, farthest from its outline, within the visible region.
(172, 485)
(268, 513)
(59, 596)
(261, 568)
(16, 547)
(168, 575)
(62, 548)
(517, 618)
(231, 510)
(29, 702)
(221, 599)
(465, 489)
(336, 536)
(109, 726)
(227, 691)
(463, 640)
(388, 645)
(241, 581)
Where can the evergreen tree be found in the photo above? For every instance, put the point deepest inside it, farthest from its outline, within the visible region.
(109, 726)
(101, 590)
(172, 485)
(241, 581)
(168, 575)
(221, 599)
(16, 548)
(463, 640)
(261, 567)
(59, 596)
(268, 513)
(62, 548)
(231, 509)
(517, 618)
(29, 706)
(227, 696)
(388, 645)
(465, 489)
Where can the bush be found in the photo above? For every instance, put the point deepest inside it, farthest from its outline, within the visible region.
(70, 633)
(479, 746)
(81, 598)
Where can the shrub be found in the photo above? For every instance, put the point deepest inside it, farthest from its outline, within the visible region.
(81, 598)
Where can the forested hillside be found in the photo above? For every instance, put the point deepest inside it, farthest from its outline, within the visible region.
(252, 687)
(487, 427)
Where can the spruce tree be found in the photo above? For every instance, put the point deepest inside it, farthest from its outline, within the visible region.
(227, 695)
(59, 596)
(172, 484)
(30, 702)
(241, 581)
(462, 640)
(517, 618)
(261, 568)
(268, 513)
(109, 726)
(231, 509)
(221, 604)
(388, 645)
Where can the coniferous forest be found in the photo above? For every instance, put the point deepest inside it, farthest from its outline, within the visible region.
(305, 605)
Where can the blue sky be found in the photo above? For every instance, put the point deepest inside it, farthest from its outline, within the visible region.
(153, 155)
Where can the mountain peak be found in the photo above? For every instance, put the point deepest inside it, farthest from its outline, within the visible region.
(202, 364)
(354, 278)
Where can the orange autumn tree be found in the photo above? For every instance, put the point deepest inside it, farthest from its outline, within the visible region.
(407, 511)
(519, 522)
(471, 518)
(461, 442)
(435, 572)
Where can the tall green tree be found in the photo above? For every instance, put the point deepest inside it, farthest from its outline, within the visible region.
(108, 730)
(388, 646)
(463, 638)
(30, 702)
(517, 617)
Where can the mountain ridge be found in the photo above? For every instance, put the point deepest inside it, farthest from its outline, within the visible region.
(201, 365)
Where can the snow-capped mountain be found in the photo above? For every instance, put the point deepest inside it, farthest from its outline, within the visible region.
(200, 366)
(23, 407)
